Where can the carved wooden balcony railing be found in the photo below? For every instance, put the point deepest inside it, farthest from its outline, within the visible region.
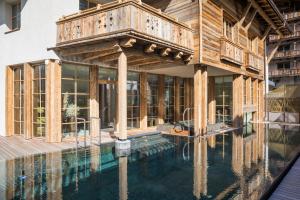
(254, 61)
(287, 54)
(292, 15)
(129, 18)
(274, 38)
(284, 72)
(231, 52)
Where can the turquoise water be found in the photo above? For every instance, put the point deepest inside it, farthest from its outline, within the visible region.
(234, 165)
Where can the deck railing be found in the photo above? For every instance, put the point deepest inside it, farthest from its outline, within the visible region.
(273, 38)
(287, 54)
(231, 52)
(292, 15)
(284, 72)
(254, 61)
(117, 19)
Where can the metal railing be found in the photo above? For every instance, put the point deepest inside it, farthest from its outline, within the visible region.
(84, 128)
(188, 112)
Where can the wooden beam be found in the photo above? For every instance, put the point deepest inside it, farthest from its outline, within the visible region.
(211, 100)
(165, 52)
(143, 111)
(270, 57)
(161, 99)
(98, 54)
(237, 100)
(109, 58)
(150, 48)
(9, 102)
(126, 43)
(248, 91)
(94, 102)
(251, 20)
(245, 13)
(28, 73)
(103, 46)
(178, 55)
(265, 16)
(188, 59)
(266, 33)
(53, 101)
(261, 101)
(122, 97)
(204, 84)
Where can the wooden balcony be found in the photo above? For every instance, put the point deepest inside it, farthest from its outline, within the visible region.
(275, 38)
(120, 19)
(284, 72)
(287, 54)
(292, 15)
(254, 62)
(231, 52)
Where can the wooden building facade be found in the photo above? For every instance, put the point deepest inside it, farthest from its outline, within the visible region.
(135, 64)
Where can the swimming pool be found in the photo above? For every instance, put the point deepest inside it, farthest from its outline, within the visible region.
(239, 164)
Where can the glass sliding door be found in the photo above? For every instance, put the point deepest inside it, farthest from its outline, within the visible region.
(19, 100)
(39, 97)
(75, 99)
(133, 100)
(181, 98)
(152, 100)
(169, 99)
(223, 88)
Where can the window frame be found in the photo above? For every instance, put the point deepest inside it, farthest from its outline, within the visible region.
(16, 17)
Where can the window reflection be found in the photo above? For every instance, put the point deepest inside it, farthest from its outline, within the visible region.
(133, 100)
(152, 100)
(75, 95)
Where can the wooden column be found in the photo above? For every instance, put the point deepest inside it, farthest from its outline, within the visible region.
(94, 102)
(9, 102)
(28, 73)
(187, 93)
(161, 99)
(53, 101)
(143, 112)
(211, 100)
(177, 100)
(261, 101)
(248, 91)
(237, 100)
(255, 99)
(122, 97)
(200, 99)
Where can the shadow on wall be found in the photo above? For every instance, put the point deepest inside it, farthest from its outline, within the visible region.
(6, 11)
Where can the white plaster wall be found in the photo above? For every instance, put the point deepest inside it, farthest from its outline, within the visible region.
(30, 43)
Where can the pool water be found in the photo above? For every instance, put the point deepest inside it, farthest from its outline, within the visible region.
(235, 165)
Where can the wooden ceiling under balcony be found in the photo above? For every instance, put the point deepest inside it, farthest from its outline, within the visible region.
(147, 36)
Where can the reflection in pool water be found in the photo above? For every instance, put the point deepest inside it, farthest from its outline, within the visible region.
(233, 165)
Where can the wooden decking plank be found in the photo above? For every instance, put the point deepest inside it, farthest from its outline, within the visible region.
(289, 188)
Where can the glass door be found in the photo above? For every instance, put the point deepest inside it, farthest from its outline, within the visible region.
(107, 98)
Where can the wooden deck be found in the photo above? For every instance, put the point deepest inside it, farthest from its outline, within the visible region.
(16, 146)
(289, 188)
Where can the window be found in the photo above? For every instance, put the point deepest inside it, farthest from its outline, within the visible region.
(253, 45)
(19, 101)
(284, 65)
(133, 100)
(169, 99)
(228, 29)
(152, 100)
(75, 98)
(223, 88)
(181, 97)
(86, 4)
(39, 97)
(16, 16)
(284, 48)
